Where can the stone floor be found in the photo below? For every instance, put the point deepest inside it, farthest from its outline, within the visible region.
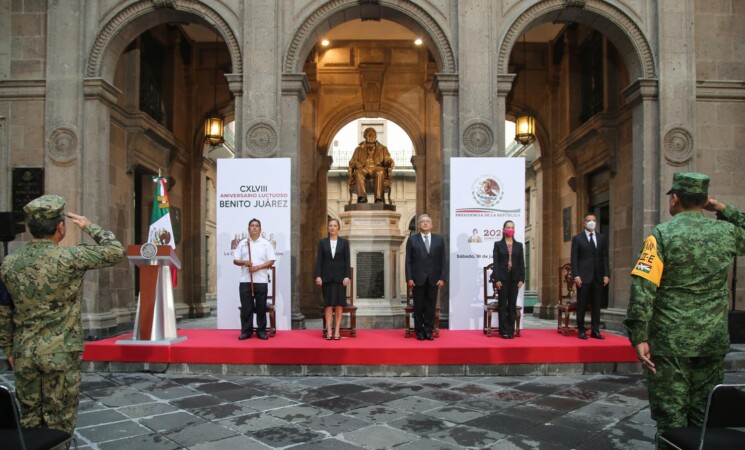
(146, 410)
(156, 411)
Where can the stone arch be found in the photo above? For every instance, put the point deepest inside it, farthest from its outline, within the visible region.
(387, 111)
(403, 12)
(615, 24)
(126, 24)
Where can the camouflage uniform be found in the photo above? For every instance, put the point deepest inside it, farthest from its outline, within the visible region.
(42, 330)
(678, 305)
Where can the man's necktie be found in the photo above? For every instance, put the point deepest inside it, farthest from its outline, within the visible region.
(426, 242)
(592, 240)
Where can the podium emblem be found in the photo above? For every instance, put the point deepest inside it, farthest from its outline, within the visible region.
(148, 250)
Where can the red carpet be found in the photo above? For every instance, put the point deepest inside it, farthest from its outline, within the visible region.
(370, 347)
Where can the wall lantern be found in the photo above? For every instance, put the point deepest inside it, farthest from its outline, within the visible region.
(214, 124)
(525, 123)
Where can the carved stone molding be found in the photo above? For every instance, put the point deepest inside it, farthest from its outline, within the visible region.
(678, 145)
(261, 140)
(478, 139)
(124, 18)
(307, 30)
(609, 13)
(62, 145)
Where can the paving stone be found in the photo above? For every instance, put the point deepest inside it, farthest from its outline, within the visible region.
(503, 423)
(340, 404)
(308, 396)
(522, 442)
(335, 424)
(87, 404)
(197, 401)
(588, 423)
(174, 392)
(87, 419)
(455, 414)
(513, 395)
(153, 441)
(286, 435)
(606, 410)
(377, 413)
(622, 437)
(376, 396)
(444, 395)
(421, 424)
(217, 386)
(242, 393)
(534, 413)
(200, 433)
(404, 388)
(467, 436)
(472, 389)
(327, 444)
(379, 437)
(147, 409)
(487, 405)
(251, 422)
(343, 389)
(557, 403)
(580, 394)
(536, 388)
(556, 434)
(428, 444)
(298, 413)
(222, 411)
(235, 442)
(414, 404)
(267, 403)
(171, 421)
(113, 431)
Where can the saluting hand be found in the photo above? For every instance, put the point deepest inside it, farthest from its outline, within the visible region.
(80, 221)
(713, 204)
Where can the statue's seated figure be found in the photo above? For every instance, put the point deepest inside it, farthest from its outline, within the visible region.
(370, 160)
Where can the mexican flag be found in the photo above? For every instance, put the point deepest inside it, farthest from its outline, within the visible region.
(161, 230)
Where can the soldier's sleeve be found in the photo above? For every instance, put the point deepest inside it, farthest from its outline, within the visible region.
(639, 311)
(645, 279)
(6, 321)
(107, 251)
(737, 218)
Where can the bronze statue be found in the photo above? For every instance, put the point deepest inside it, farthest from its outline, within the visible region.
(370, 159)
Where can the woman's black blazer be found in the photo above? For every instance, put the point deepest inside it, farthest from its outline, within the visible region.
(501, 257)
(336, 268)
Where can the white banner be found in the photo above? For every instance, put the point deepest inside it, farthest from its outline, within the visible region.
(249, 188)
(484, 193)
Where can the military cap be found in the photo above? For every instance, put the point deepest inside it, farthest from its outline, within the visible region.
(45, 207)
(690, 183)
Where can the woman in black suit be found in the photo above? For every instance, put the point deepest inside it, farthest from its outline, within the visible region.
(332, 272)
(509, 276)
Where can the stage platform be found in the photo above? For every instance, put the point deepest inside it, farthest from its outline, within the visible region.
(372, 352)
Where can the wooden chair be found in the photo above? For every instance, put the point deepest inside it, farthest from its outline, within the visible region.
(350, 309)
(387, 182)
(409, 312)
(491, 304)
(567, 299)
(271, 302)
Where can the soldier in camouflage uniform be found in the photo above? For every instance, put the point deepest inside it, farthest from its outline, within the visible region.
(41, 331)
(677, 314)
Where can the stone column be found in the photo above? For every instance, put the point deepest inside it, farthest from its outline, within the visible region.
(294, 88)
(504, 86)
(677, 88)
(646, 192)
(101, 287)
(446, 87)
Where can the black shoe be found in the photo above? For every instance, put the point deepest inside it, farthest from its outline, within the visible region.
(419, 337)
(582, 335)
(511, 336)
(596, 335)
(429, 337)
(262, 336)
(378, 200)
(244, 336)
(361, 199)
(504, 336)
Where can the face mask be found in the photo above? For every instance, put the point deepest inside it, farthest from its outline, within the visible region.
(590, 225)
(509, 233)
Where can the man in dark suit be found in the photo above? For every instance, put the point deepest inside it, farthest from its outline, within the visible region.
(590, 267)
(425, 275)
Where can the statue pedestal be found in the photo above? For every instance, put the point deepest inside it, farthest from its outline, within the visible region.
(374, 243)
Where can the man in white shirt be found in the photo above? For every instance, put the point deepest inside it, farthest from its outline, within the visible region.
(255, 255)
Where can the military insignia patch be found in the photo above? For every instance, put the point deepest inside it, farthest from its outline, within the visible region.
(649, 265)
